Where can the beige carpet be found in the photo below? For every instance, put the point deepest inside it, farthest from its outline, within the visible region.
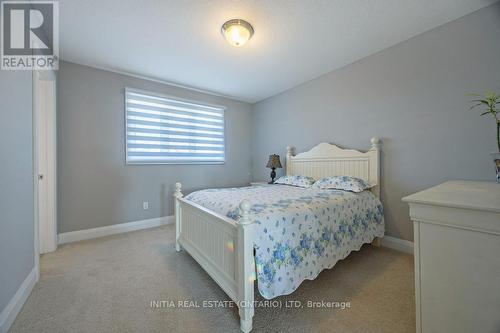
(107, 285)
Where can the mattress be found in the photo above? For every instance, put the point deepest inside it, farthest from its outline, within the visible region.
(298, 231)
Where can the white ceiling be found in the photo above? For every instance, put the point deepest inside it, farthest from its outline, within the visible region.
(179, 41)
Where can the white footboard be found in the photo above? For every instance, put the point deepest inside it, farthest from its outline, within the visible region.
(223, 247)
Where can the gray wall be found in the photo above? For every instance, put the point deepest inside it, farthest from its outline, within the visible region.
(95, 187)
(412, 95)
(16, 182)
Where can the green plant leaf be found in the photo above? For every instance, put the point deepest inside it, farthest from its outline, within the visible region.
(475, 106)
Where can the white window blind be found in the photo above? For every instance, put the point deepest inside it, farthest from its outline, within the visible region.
(165, 130)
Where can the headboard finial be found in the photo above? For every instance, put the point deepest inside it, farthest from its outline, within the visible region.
(289, 151)
(376, 143)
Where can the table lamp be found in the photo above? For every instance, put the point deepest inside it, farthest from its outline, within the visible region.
(273, 163)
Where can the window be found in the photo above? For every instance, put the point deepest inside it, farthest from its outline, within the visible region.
(165, 130)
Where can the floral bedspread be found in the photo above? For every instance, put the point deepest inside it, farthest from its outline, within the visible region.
(299, 232)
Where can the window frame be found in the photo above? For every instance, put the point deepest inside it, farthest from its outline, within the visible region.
(174, 98)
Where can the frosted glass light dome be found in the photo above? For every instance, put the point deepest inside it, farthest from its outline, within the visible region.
(237, 32)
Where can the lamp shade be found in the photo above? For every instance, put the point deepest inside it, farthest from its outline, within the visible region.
(274, 162)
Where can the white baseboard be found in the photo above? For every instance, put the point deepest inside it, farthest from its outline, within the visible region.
(398, 244)
(15, 305)
(74, 236)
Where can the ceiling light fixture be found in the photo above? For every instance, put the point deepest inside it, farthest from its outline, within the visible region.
(237, 32)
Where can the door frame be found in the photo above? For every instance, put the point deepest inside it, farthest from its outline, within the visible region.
(45, 241)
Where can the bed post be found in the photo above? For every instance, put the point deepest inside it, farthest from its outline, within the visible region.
(177, 195)
(376, 146)
(376, 143)
(375, 172)
(288, 166)
(246, 268)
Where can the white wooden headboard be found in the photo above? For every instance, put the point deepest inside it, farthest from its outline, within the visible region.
(329, 160)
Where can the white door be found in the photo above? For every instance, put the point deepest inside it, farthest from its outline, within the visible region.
(44, 92)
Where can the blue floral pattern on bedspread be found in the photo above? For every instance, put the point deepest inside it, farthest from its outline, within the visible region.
(299, 232)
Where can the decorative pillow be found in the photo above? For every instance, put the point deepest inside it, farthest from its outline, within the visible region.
(300, 181)
(345, 183)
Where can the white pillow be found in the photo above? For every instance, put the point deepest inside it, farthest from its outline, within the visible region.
(346, 183)
(300, 181)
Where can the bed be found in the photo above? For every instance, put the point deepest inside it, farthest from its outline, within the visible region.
(281, 235)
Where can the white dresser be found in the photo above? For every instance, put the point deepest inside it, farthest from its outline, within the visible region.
(457, 257)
